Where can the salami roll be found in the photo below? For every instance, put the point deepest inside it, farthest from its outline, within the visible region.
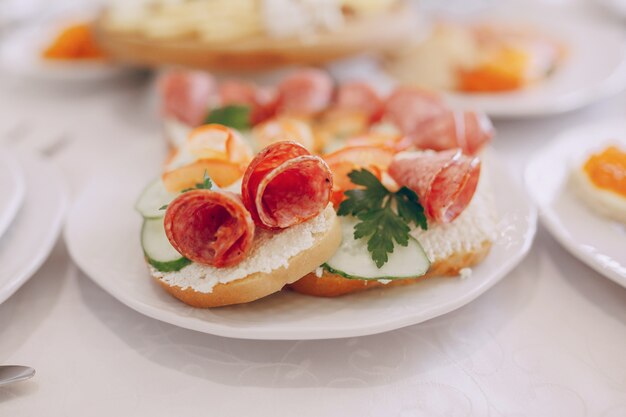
(359, 97)
(285, 185)
(185, 95)
(304, 93)
(262, 102)
(445, 181)
(210, 227)
(409, 107)
(467, 130)
(237, 92)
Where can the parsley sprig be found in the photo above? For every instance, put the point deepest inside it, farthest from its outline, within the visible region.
(206, 184)
(235, 116)
(384, 217)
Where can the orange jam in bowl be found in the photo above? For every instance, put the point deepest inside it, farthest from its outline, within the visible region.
(607, 170)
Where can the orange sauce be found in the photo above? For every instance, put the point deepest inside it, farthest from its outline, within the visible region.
(607, 170)
(74, 42)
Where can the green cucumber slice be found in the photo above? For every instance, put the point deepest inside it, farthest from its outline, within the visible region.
(157, 248)
(152, 198)
(353, 260)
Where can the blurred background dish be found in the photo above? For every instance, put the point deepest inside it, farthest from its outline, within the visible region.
(249, 34)
(61, 48)
(28, 242)
(310, 107)
(617, 7)
(594, 238)
(11, 188)
(502, 58)
(478, 58)
(510, 61)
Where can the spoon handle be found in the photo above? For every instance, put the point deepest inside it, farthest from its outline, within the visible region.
(15, 373)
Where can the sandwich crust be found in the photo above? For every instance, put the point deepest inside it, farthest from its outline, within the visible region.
(333, 285)
(261, 284)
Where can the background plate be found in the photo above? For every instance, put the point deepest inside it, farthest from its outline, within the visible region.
(595, 240)
(28, 242)
(12, 188)
(102, 234)
(588, 72)
(20, 55)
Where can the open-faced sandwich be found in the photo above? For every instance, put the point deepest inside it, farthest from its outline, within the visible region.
(211, 246)
(379, 191)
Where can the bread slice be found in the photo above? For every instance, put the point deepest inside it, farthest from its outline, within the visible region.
(203, 286)
(333, 285)
(450, 247)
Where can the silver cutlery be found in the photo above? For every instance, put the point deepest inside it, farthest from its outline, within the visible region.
(15, 373)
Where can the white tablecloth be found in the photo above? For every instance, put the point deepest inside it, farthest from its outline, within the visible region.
(549, 340)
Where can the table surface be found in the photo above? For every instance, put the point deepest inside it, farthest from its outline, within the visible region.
(547, 340)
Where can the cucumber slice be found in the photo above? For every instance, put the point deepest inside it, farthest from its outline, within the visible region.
(157, 248)
(353, 260)
(152, 198)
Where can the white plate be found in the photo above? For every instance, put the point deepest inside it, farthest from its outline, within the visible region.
(595, 240)
(594, 68)
(617, 7)
(20, 55)
(28, 242)
(11, 188)
(102, 234)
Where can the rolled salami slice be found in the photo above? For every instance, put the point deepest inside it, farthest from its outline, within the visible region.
(285, 185)
(360, 97)
(210, 227)
(262, 102)
(185, 95)
(304, 93)
(408, 108)
(445, 181)
(237, 92)
(467, 130)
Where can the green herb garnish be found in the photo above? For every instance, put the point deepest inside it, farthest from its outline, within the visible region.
(385, 217)
(235, 116)
(206, 184)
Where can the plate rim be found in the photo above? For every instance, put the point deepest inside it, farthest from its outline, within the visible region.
(310, 333)
(43, 248)
(77, 72)
(11, 161)
(610, 86)
(544, 212)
